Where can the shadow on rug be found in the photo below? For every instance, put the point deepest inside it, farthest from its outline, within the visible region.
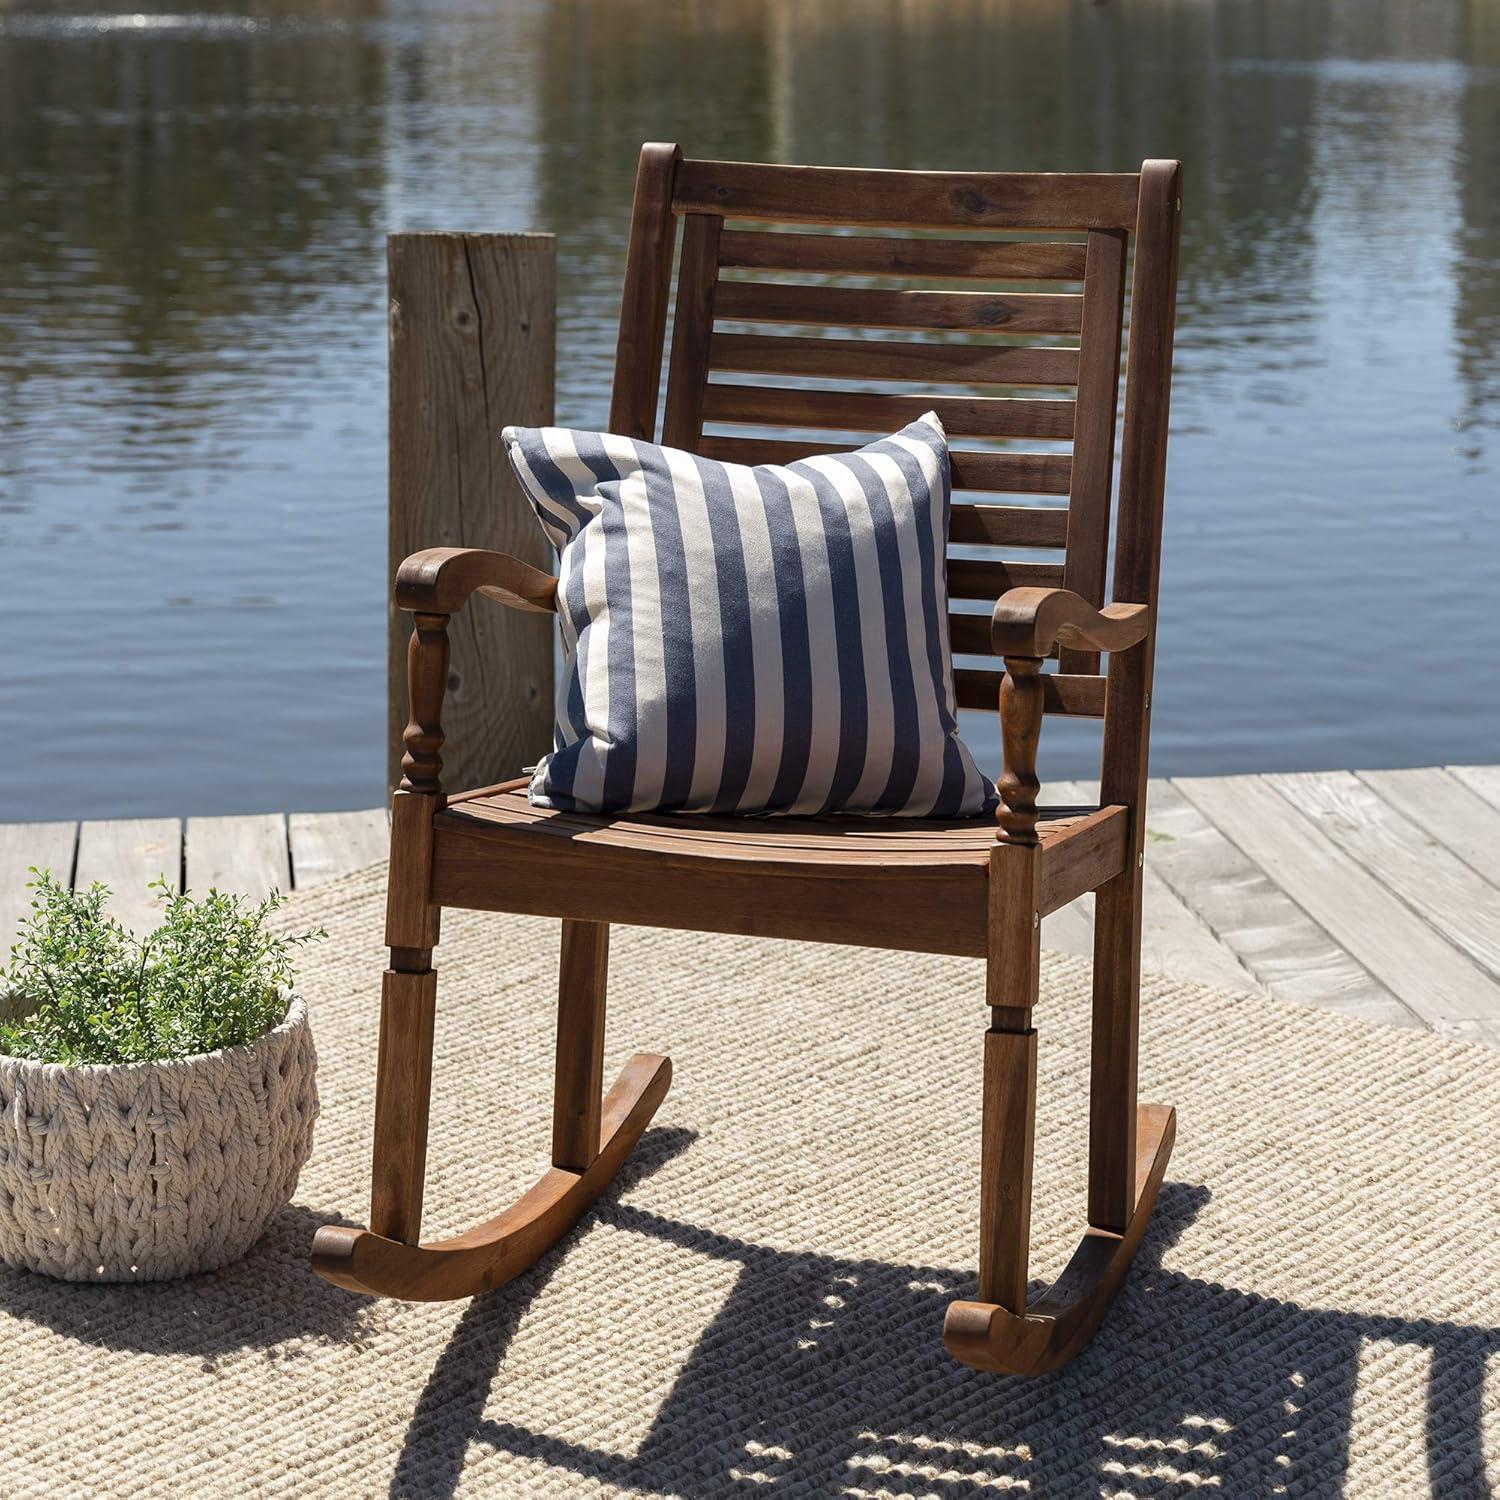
(1210, 1348)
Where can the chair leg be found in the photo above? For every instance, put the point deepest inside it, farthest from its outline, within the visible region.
(1001, 1331)
(408, 1004)
(1005, 1173)
(591, 1136)
(1012, 980)
(1114, 1051)
(403, 1088)
(578, 1088)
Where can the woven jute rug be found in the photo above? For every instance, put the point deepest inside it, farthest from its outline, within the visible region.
(757, 1302)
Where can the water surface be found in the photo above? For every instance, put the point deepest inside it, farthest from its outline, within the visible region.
(192, 341)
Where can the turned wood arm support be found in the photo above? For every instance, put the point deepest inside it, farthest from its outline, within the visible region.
(1026, 625)
(432, 585)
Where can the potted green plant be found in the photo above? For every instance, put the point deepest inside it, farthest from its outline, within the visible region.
(157, 1094)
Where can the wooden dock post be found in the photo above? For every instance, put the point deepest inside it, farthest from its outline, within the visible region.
(472, 348)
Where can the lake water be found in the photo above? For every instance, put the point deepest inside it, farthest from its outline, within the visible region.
(192, 339)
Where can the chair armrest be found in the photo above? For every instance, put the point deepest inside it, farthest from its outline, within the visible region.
(432, 585)
(1030, 622)
(441, 580)
(1026, 625)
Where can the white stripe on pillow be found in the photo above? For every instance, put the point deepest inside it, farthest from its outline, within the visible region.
(750, 640)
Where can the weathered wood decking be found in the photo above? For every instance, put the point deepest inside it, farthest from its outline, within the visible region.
(1376, 893)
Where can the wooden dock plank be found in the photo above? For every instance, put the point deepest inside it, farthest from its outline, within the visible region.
(24, 846)
(1174, 939)
(1287, 952)
(328, 844)
(1452, 898)
(1443, 986)
(126, 854)
(1484, 781)
(1446, 809)
(243, 856)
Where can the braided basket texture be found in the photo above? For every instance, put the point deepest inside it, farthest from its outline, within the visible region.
(146, 1171)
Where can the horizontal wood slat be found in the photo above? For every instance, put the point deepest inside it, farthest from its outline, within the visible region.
(988, 578)
(880, 411)
(1012, 473)
(877, 307)
(907, 200)
(885, 359)
(1008, 526)
(866, 255)
(1062, 692)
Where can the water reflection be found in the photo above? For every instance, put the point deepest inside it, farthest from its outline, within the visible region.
(191, 335)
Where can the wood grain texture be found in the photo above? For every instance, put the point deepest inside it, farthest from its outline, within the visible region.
(1020, 734)
(989, 579)
(1417, 964)
(892, 359)
(907, 200)
(1031, 621)
(1070, 928)
(411, 918)
(1013, 967)
(1094, 431)
(1287, 952)
(427, 671)
(1483, 781)
(692, 330)
(878, 307)
(325, 845)
(1005, 526)
(978, 688)
(1007, 1124)
(244, 856)
(647, 291)
(1127, 733)
(884, 411)
(471, 349)
(1017, 473)
(126, 854)
(1450, 895)
(24, 846)
(1447, 809)
(403, 1092)
(577, 1100)
(887, 255)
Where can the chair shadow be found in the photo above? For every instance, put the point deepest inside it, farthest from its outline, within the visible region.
(203, 1315)
(820, 1373)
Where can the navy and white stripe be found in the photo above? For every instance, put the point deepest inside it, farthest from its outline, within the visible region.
(750, 640)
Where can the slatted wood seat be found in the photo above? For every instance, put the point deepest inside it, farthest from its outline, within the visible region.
(999, 301)
(918, 884)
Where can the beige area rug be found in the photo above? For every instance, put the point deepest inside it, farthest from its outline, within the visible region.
(757, 1305)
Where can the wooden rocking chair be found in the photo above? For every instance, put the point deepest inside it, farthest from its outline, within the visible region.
(966, 887)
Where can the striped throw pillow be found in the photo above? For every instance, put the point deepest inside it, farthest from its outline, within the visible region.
(750, 640)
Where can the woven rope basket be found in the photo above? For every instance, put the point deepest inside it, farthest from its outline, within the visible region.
(146, 1171)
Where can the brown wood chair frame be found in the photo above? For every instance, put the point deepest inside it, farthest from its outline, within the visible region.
(967, 887)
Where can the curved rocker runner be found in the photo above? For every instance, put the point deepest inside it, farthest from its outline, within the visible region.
(492, 1254)
(961, 887)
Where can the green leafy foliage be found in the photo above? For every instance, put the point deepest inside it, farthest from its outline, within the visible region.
(81, 988)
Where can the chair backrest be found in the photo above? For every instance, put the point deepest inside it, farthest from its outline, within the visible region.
(1033, 264)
